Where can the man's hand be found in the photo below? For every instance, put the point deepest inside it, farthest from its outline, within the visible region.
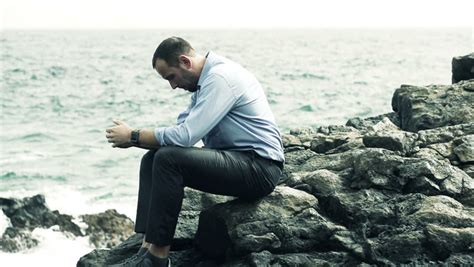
(119, 135)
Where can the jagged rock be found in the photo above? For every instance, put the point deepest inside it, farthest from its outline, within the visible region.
(444, 134)
(332, 162)
(16, 239)
(323, 143)
(446, 241)
(463, 68)
(404, 247)
(107, 229)
(363, 124)
(291, 140)
(387, 135)
(323, 182)
(460, 259)
(283, 222)
(337, 142)
(298, 157)
(441, 210)
(193, 203)
(32, 212)
(27, 214)
(378, 168)
(266, 258)
(433, 106)
(465, 148)
(468, 169)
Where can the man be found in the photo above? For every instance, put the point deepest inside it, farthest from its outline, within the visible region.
(242, 154)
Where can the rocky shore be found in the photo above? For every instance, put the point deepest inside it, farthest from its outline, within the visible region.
(395, 189)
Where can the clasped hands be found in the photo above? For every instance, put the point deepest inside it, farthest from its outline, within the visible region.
(119, 135)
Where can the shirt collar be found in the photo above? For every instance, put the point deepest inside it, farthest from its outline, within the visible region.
(205, 69)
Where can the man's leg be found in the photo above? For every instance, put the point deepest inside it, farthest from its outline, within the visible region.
(240, 174)
(144, 191)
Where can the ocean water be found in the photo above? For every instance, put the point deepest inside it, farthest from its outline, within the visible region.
(61, 89)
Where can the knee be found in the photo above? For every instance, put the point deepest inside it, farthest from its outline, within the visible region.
(166, 156)
(147, 159)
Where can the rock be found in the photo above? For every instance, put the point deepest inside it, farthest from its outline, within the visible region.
(107, 229)
(463, 68)
(460, 259)
(32, 212)
(332, 162)
(446, 241)
(363, 124)
(193, 203)
(468, 169)
(323, 182)
(27, 214)
(266, 258)
(404, 247)
(378, 168)
(283, 222)
(465, 149)
(387, 135)
(15, 240)
(444, 134)
(433, 106)
(323, 143)
(442, 211)
(291, 140)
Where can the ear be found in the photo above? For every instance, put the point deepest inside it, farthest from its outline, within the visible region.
(186, 61)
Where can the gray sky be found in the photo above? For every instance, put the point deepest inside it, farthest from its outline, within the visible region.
(99, 14)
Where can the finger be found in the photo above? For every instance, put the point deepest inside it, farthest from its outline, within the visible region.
(108, 130)
(110, 140)
(109, 135)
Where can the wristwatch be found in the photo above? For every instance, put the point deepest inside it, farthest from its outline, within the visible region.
(135, 137)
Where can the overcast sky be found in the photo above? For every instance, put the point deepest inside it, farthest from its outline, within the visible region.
(120, 14)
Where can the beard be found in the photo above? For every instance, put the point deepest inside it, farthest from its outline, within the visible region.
(189, 81)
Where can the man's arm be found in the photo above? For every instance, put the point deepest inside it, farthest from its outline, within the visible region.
(120, 135)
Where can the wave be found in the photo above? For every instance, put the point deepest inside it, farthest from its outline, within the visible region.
(15, 176)
(307, 76)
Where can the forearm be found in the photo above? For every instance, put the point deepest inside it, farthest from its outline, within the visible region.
(147, 139)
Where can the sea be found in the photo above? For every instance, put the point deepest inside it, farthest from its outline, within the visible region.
(60, 90)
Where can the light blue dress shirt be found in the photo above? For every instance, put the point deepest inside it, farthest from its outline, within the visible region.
(229, 111)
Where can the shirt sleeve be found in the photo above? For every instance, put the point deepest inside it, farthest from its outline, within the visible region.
(214, 100)
(183, 115)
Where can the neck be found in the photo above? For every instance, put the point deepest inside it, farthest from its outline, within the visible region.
(199, 63)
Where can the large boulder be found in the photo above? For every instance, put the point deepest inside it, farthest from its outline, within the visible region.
(432, 106)
(286, 221)
(107, 229)
(463, 68)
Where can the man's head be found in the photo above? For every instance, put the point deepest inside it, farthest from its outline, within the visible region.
(176, 61)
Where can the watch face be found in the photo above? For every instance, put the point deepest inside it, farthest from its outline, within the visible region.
(134, 137)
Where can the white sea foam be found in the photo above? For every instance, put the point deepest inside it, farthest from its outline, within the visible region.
(54, 249)
(4, 222)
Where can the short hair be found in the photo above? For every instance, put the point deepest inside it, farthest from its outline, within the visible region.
(170, 49)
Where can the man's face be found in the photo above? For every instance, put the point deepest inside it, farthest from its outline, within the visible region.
(180, 76)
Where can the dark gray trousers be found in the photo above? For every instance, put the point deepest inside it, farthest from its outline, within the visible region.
(165, 172)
